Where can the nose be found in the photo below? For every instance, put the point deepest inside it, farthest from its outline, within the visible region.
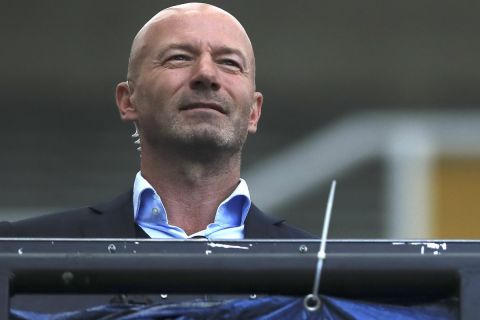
(205, 75)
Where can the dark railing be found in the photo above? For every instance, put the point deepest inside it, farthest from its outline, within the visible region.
(359, 269)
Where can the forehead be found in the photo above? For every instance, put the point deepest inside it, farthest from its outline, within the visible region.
(215, 29)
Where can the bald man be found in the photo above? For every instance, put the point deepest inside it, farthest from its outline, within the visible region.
(190, 92)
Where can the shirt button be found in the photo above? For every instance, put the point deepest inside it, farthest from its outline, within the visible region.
(155, 211)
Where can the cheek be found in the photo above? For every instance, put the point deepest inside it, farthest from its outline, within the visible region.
(151, 99)
(165, 83)
(241, 92)
(171, 79)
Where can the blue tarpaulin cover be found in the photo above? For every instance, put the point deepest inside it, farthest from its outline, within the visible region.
(266, 308)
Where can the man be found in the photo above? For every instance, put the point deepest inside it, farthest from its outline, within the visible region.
(190, 92)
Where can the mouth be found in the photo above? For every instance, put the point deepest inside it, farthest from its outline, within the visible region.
(204, 106)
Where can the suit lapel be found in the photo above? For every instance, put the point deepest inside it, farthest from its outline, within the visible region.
(260, 226)
(114, 219)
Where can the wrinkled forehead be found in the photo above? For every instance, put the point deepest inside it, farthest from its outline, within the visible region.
(193, 24)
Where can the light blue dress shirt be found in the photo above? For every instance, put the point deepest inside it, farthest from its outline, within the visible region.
(151, 216)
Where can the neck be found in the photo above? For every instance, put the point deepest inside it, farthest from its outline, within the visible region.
(191, 190)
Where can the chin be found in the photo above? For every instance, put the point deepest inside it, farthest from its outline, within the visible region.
(213, 141)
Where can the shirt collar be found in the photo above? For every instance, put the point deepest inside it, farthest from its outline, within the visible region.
(139, 186)
(238, 202)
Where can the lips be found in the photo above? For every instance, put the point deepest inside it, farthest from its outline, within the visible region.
(204, 105)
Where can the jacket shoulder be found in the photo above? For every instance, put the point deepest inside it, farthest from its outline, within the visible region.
(259, 225)
(55, 225)
(110, 219)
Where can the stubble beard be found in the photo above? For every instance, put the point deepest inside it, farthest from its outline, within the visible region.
(206, 140)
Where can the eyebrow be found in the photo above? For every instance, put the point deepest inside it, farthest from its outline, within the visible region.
(217, 50)
(234, 51)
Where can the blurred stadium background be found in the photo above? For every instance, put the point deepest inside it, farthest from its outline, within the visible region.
(380, 95)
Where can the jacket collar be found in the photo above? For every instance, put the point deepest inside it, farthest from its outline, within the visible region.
(260, 226)
(115, 220)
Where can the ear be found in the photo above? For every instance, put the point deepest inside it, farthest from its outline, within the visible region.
(123, 96)
(255, 112)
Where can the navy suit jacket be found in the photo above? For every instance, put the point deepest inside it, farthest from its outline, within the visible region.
(114, 219)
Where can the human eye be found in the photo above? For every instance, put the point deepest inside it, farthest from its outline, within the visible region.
(177, 60)
(179, 57)
(231, 64)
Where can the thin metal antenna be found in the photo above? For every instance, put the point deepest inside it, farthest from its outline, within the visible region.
(312, 301)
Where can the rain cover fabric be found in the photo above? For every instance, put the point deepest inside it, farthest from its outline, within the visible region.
(266, 308)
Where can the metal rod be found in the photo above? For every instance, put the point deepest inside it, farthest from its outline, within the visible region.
(312, 301)
(321, 253)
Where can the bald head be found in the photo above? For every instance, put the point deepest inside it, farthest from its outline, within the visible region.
(191, 83)
(168, 21)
